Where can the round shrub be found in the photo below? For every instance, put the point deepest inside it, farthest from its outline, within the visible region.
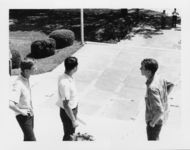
(43, 48)
(16, 59)
(63, 38)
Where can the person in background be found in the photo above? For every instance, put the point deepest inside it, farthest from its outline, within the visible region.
(156, 98)
(163, 19)
(174, 18)
(21, 101)
(67, 98)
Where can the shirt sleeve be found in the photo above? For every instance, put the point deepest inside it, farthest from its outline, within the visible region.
(15, 92)
(64, 90)
(156, 103)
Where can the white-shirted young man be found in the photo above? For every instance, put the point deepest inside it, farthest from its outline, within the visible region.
(67, 98)
(20, 101)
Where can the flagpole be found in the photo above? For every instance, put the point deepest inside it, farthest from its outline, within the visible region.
(82, 25)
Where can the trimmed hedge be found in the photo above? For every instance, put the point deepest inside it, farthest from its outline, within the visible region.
(16, 59)
(43, 48)
(63, 38)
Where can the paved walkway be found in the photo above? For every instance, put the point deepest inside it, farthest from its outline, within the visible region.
(111, 93)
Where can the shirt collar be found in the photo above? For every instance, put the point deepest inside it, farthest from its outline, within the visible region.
(149, 81)
(23, 78)
(69, 77)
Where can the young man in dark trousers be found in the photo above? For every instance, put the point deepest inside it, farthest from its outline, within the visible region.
(21, 102)
(67, 98)
(156, 98)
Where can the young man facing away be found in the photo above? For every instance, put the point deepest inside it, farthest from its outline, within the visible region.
(21, 102)
(156, 98)
(67, 98)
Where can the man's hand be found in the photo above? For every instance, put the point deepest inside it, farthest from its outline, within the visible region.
(75, 123)
(27, 110)
(170, 87)
(24, 112)
(30, 111)
(152, 124)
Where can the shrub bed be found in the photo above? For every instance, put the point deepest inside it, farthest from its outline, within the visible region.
(43, 48)
(62, 37)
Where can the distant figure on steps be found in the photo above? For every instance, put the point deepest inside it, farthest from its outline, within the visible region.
(174, 18)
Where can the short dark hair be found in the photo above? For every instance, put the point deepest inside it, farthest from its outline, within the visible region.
(70, 63)
(26, 64)
(150, 64)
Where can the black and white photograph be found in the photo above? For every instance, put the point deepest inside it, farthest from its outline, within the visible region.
(100, 75)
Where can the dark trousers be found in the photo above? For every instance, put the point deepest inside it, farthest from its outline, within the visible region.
(153, 132)
(174, 21)
(67, 124)
(27, 125)
(163, 22)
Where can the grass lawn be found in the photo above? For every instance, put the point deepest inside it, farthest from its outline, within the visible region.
(21, 41)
